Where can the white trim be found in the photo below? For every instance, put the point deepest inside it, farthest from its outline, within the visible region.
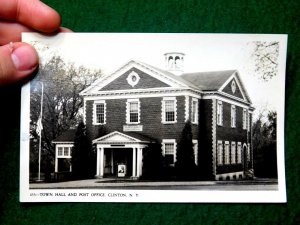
(169, 141)
(196, 150)
(97, 102)
(196, 111)
(128, 111)
(238, 82)
(105, 80)
(219, 160)
(187, 107)
(163, 110)
(233, 143)
(239, 152)
(226, 153)
(233, 116)
(224, 98)
(245, 119)
(132, 82)
(220, 111)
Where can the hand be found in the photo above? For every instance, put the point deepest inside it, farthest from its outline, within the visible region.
(18, 60)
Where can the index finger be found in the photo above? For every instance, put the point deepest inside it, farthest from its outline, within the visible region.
(32, 13)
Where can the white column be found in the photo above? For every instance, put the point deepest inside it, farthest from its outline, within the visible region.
(100, 158)
(56, 160)
(139, 162)
(133, 162)
(101, 172)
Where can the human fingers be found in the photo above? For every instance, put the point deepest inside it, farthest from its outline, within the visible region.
(11, 31)
(17, 62)
(32, 13)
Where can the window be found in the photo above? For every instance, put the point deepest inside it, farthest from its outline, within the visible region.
(248, 121)
(99, 112)
(239, 152)
(233, 153)
(169, 150)
(59, 151)
(64, 151)
(248, 152)
(195, 147)
(244, 119)
(233, 116)
(220, 153)
(195, 111)
(133, 111)
(219, 113)
(226, 161)
(169, 110)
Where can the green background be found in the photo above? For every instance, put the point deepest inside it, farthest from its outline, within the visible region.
(202, 16)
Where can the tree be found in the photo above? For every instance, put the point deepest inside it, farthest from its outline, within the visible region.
(153, 162)
(83, 156)
(185, 159)
(62, 104)
(265, 55)
(264, 145)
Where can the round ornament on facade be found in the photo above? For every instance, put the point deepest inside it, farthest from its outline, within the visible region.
(133, 79)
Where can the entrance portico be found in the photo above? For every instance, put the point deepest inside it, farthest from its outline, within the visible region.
(118, 148)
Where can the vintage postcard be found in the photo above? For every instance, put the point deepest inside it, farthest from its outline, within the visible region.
(129, 117)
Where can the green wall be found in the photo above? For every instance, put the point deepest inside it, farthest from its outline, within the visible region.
(200, 16)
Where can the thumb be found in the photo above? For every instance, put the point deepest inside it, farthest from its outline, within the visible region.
(17, 62)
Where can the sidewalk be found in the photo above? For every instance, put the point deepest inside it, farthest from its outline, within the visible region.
(113, 183)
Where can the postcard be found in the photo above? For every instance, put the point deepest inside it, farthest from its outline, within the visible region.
(154, 117)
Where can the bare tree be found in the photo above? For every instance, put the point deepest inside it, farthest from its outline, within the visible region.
(265, 55)
(62, 104)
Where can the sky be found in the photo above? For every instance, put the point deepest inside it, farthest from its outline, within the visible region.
(203, 52)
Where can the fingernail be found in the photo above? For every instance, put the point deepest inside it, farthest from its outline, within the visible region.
(24, 58)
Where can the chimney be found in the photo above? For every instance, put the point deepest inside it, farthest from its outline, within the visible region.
(174, 62)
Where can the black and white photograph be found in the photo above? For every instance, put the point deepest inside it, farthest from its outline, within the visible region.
(154, 117)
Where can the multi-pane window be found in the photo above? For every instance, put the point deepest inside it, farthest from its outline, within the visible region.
(226, 158)
(64, 151)
(219, 113)
(169, 110)
(133, 111)
(194, 111)
(233, 116)
(220, 153)
(169, 151)
(59, 151)
(99, 112)
(244, 119)
(248, 121)
(233, 153)
(239, 152)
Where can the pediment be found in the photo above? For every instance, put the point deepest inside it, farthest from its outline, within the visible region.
(235, 87)
(115, 137)
(134, 75)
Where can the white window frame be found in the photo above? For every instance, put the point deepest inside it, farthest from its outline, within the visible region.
(233, 116)
(163, 114)
(195, 148)
(219, 113)
(245, 119)
(95, 122)
(233, 152)
(63, 147)
(239, 152)
(128, 110)
(220, 152)
(169, 141)
(248, 121)
(226, 153)
(194, 111)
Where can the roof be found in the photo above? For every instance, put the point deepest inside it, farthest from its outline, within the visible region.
(208, 81)
(67, 136)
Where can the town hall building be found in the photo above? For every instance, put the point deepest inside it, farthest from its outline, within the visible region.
(140, 104)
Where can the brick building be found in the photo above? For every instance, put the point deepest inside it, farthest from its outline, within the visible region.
(140, 104)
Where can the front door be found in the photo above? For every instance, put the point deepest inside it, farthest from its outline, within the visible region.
(119, 156)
